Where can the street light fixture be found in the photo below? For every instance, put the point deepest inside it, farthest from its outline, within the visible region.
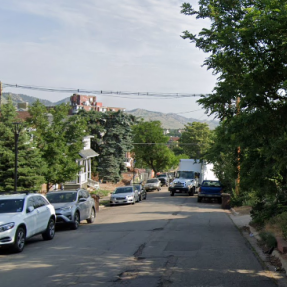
(16, 133)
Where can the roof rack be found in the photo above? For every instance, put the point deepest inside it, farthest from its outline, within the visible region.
(23, 191)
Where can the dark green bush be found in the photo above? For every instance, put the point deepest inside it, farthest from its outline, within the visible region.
(269, 239)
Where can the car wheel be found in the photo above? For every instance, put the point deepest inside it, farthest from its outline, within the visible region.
(49, 233)
(76, 223)
(171, 193)
(91, 219)
(20, 239)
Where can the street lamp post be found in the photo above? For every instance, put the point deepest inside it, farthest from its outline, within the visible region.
(16, 133)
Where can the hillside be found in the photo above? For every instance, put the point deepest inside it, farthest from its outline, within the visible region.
(170, 120)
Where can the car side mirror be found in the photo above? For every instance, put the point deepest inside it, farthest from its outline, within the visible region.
(30, 209)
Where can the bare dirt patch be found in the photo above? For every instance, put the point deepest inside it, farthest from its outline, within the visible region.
(242, 210)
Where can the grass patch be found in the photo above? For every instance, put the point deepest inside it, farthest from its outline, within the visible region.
(101, 192)
(105, 202)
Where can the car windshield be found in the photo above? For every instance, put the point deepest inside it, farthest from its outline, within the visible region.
(185, 174)
(152, 180)
(62, 197)
(11, 205)
(211, 183)
(124, 190)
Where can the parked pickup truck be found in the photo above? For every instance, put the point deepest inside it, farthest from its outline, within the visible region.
(210, 189)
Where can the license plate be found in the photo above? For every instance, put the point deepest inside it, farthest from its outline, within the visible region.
(177, 190)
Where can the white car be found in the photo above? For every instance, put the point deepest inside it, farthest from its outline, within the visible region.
(23, 216)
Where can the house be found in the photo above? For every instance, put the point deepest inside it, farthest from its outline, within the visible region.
(173, 141)
(89, 103)
(83, 102)
(84, 177)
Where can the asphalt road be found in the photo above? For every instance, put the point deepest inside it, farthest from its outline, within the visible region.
(163, 241)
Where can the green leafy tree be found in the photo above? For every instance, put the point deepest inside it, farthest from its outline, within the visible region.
(151, 146)
(195, 139)
(60, 138)
(31, 167)
(247, 50)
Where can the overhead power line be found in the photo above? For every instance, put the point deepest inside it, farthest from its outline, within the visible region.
(119, 94)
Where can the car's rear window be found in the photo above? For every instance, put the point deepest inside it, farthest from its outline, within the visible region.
(152, 180)
(211, 183)
(11, 205)
(60, 197)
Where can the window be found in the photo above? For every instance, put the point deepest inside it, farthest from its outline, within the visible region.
(31, 202)
(11, 205)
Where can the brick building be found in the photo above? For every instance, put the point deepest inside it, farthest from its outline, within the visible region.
(88, 103)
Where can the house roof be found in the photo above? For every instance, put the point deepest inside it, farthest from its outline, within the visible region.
(88, 153)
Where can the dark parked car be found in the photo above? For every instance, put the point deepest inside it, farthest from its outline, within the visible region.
(73, 206)
(210, 189)
(141, 191)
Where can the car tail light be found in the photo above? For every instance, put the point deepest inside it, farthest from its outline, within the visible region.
(199, 190)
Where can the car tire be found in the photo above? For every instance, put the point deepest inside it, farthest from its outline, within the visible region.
(76, 223)
(20, 240)
(171, 193)
(49, 233)
(91, 219)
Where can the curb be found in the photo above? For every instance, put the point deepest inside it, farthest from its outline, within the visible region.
(252, 237)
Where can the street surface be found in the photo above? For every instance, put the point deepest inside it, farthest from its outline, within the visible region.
(161, 242)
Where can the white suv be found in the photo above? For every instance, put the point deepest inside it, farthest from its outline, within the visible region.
(23, 216)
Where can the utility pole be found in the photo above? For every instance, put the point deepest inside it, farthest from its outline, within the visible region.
(0, 94)
(16, 134)
(237, 188)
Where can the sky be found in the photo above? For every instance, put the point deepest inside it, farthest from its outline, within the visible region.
(127, 45)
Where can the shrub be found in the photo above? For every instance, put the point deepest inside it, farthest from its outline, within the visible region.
(268, 239)
(281, 221)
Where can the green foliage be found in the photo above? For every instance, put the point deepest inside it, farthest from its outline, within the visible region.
(195, 139)
(281, 221)
(112, 133)
(247, 48)
(60, 139)
(31, 167)
(268, 239)
(150, 148)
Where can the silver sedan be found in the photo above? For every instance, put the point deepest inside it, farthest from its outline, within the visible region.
(124, 195)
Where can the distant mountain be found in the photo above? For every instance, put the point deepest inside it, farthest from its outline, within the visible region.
(20, 98)
(170, 120)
